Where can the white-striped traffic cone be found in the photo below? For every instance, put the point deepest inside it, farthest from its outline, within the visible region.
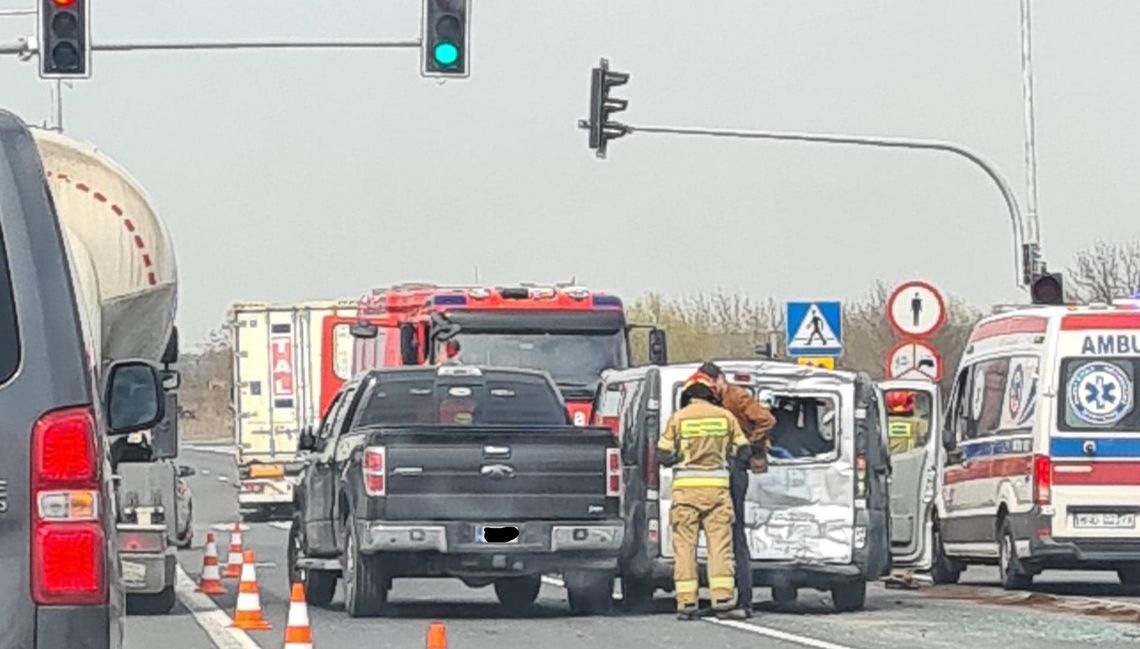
(211, 582)
(247, 616)
(234, 561)
(298, 633)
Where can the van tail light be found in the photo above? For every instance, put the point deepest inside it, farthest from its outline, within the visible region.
(613, 472)
(375, 471)
(860, 476)
(1042, 480)
(69, 553)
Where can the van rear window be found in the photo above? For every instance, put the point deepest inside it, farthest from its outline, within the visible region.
(1099, 394)
(9, 335)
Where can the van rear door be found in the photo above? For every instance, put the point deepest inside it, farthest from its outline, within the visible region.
(915, 452)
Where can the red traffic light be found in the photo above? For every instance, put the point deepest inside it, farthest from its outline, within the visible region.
(63, 3)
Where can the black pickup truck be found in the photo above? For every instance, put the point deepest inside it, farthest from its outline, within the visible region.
(457, 471)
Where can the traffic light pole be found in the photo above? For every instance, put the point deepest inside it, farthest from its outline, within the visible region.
(1022, 245)
(27, 47)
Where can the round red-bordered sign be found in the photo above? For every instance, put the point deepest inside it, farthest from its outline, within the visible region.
(916, 309)
(913, 359)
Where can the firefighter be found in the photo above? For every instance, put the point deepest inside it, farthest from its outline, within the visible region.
(756, 421)
(906, 429)
(450, 355)
(699, 442)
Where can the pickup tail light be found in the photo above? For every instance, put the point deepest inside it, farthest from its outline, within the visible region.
(375, 471)
(613, 472)
(1042, 480)
(68, 553)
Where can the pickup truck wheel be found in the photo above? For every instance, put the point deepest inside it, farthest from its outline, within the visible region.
(159, 603)
(365, 585)
(320, 586)
(590, 593)
(517, 594)
(850, 596)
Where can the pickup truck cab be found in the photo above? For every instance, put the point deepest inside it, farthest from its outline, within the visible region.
(457, 471)
(58, 406)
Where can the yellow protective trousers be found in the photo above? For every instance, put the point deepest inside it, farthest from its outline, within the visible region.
(710, 509)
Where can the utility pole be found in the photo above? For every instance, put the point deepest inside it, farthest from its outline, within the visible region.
(1033, 232)
(602, 129)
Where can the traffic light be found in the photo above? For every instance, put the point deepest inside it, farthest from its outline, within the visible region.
(65, 39)
(1047, 288)
(446, 34)
(602, 130)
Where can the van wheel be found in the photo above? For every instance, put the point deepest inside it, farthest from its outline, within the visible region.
(365, 585)
(783, 595)
(637, 595)
(159, 603)
(517, 594)
(1013, 576)
(850, 596)
(1129, 574)
(590, 593)
(944, 570)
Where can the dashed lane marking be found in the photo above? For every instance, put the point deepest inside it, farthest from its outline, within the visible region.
(223, 478)
(212, 619)
(217, 450)
(553, 581)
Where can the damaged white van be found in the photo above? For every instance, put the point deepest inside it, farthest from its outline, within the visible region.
(819, 518)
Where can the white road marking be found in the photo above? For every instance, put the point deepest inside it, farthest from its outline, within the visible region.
(228, 527)
(777, 634)
(205, 472)
(216, 450)
(553, 581)
(223, 478)
(281, 525)
(212, 619)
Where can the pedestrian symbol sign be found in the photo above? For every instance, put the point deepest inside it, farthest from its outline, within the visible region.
(814, 328)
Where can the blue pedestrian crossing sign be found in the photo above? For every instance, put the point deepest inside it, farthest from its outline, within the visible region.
(814, 328)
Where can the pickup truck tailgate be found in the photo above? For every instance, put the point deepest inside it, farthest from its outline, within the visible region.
(461, 474)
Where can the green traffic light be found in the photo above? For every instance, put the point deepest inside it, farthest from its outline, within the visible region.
(446, 53)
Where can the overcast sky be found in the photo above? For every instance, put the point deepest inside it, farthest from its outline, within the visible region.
(288, 176)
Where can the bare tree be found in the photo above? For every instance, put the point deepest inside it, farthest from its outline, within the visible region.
(1105, 271)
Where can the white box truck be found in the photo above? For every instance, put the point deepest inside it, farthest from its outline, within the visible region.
(289, 362)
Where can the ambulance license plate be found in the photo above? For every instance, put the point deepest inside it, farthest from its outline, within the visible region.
(1104, 521)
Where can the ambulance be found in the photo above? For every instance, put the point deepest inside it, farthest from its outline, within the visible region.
(1042, 440)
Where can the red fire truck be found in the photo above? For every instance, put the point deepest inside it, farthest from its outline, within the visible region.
(570, 331)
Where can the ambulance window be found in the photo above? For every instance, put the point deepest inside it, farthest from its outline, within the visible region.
(1099, 394)
(987, 396)
(959, 417)
(1020, 402)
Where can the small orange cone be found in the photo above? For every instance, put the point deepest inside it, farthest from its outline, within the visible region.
(211, 582)
(437, 636)
(248, 613)
(298, 633)
(233, 562)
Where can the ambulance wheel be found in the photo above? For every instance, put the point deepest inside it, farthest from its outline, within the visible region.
(1129, 574)
(784, 595)
(159, 603)
(944, 570)
(517, 594)
(590, 593)
(850, 596)
(1013, 575)
(365, 584)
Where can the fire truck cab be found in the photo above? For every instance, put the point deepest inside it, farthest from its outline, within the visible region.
(569, 331)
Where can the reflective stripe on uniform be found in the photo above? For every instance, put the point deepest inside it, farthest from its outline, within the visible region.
(704, 427)
(701, 481)
(722, 583)
(687, 586)
(900, 429)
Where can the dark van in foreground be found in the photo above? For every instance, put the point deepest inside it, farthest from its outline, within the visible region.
(57, 408)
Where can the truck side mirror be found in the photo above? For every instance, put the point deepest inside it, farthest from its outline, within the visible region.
(134, 399)
(658, 347)
(365, 330)
(186, 471)
(307, 441)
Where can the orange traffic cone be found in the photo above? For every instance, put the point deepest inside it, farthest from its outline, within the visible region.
(233, 562)
(298, 633)
(437, 636)
(248, 613)
(211, 582)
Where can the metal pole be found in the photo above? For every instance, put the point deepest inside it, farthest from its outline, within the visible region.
(4, 13)
(880, 142)
(1032, 224)
(250, 45)
(57, 118)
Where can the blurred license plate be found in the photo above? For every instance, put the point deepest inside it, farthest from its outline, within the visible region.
(1126, 521)
(496, 534)
(134, 574)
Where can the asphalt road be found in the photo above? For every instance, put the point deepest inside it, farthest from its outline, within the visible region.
(1064, 610)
